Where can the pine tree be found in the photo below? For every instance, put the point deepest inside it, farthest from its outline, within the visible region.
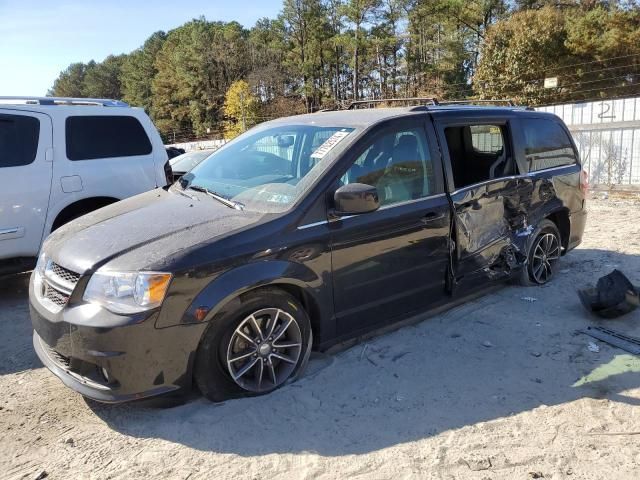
(138, 71)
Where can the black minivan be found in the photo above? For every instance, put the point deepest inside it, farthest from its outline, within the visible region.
(301, 233)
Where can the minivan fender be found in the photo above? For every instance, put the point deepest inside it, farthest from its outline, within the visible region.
(222, 291)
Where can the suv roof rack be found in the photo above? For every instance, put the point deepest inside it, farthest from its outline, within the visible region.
(418, 101)
(104, 102)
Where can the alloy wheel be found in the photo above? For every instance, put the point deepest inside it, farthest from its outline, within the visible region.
(264, 350)
(546, 252)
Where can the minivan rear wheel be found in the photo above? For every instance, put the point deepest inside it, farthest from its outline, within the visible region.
(255, 348)
(544, 253)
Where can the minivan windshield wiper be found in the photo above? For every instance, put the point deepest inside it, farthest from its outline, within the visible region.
(225, 201)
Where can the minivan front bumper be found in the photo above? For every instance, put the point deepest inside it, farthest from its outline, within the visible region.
(113, 358)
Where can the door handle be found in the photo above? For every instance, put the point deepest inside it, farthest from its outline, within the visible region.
(472, 204)
(11, 233)
(432, 217)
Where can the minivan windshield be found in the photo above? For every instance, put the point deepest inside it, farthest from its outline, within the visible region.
(269, 169)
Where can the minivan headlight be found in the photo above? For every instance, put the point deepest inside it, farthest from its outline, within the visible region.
(38, 272)
(127, 292)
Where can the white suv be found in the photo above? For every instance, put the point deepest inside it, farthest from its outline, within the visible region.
(61, 158)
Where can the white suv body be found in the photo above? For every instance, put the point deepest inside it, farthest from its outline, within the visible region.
(61, 158)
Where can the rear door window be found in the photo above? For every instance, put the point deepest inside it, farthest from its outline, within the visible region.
(19, 137)
(94, 137)
(547, 144)
(479, 153)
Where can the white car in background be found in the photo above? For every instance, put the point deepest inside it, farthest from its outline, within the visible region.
(61, 158)
(185, 162)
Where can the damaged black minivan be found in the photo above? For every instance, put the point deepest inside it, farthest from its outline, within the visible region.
(301, 233)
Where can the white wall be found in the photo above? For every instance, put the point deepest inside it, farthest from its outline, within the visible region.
(607, 133)
(198, 145)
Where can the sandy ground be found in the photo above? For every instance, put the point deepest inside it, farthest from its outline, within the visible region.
(501, 387)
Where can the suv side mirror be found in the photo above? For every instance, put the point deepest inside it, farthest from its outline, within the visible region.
(355, 198)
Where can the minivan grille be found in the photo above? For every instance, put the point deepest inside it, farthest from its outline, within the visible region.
(64, 273)
(57, 286)
(56, 297)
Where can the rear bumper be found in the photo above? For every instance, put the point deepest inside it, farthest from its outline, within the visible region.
(113, 358)
(578, 222)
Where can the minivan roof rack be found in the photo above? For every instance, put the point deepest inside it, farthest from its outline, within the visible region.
(507, 101)
(415, 100)
(104, 102)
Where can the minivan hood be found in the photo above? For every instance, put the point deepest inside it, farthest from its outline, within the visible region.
(146, 228)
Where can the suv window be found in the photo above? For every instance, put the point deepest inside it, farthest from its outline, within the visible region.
(547, 145)
(398, 164)
(94, 137)
(479, 153)
(19, 136)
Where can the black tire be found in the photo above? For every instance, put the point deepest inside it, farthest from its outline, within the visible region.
(216, 354)
(529, 275)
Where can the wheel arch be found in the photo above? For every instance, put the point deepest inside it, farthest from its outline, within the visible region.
(226, 291)
(294, 278)
(80, 207)
(560, 218)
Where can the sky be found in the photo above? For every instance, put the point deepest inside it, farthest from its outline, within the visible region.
(40, 38)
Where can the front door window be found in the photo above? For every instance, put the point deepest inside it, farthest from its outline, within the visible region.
(398, 164)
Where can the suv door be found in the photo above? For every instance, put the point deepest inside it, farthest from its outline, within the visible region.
(25, 168)
(105, 155)
(393, 261)
(489, 196)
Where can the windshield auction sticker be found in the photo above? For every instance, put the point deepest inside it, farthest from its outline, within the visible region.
(328, 145)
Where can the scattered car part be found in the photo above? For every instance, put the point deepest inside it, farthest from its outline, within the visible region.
(613, 296)
(625, 342)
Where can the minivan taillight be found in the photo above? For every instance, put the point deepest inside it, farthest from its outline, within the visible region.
(584, 182)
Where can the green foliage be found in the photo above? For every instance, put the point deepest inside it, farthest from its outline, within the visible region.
(93, 80)
(268, 72)
(518, 51)
(324, 53)
(305, 34)
(357, 13)
(196, 64)
(241, 109)
(446, 37)
(70, 82)
(138, 70)
(593, 52)
(103, 79)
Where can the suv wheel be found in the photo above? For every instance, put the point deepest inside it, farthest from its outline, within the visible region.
(255, 348)
(543, 256)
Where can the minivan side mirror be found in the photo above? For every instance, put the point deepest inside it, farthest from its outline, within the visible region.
(355, 198)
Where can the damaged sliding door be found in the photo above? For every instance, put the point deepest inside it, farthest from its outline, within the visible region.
(489, 221)
(490, 199)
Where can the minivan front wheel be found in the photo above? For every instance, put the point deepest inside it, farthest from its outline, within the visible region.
(255, 348)
(544, 254)
(264, 350)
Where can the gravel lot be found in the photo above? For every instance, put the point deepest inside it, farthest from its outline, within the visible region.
(501, 387)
